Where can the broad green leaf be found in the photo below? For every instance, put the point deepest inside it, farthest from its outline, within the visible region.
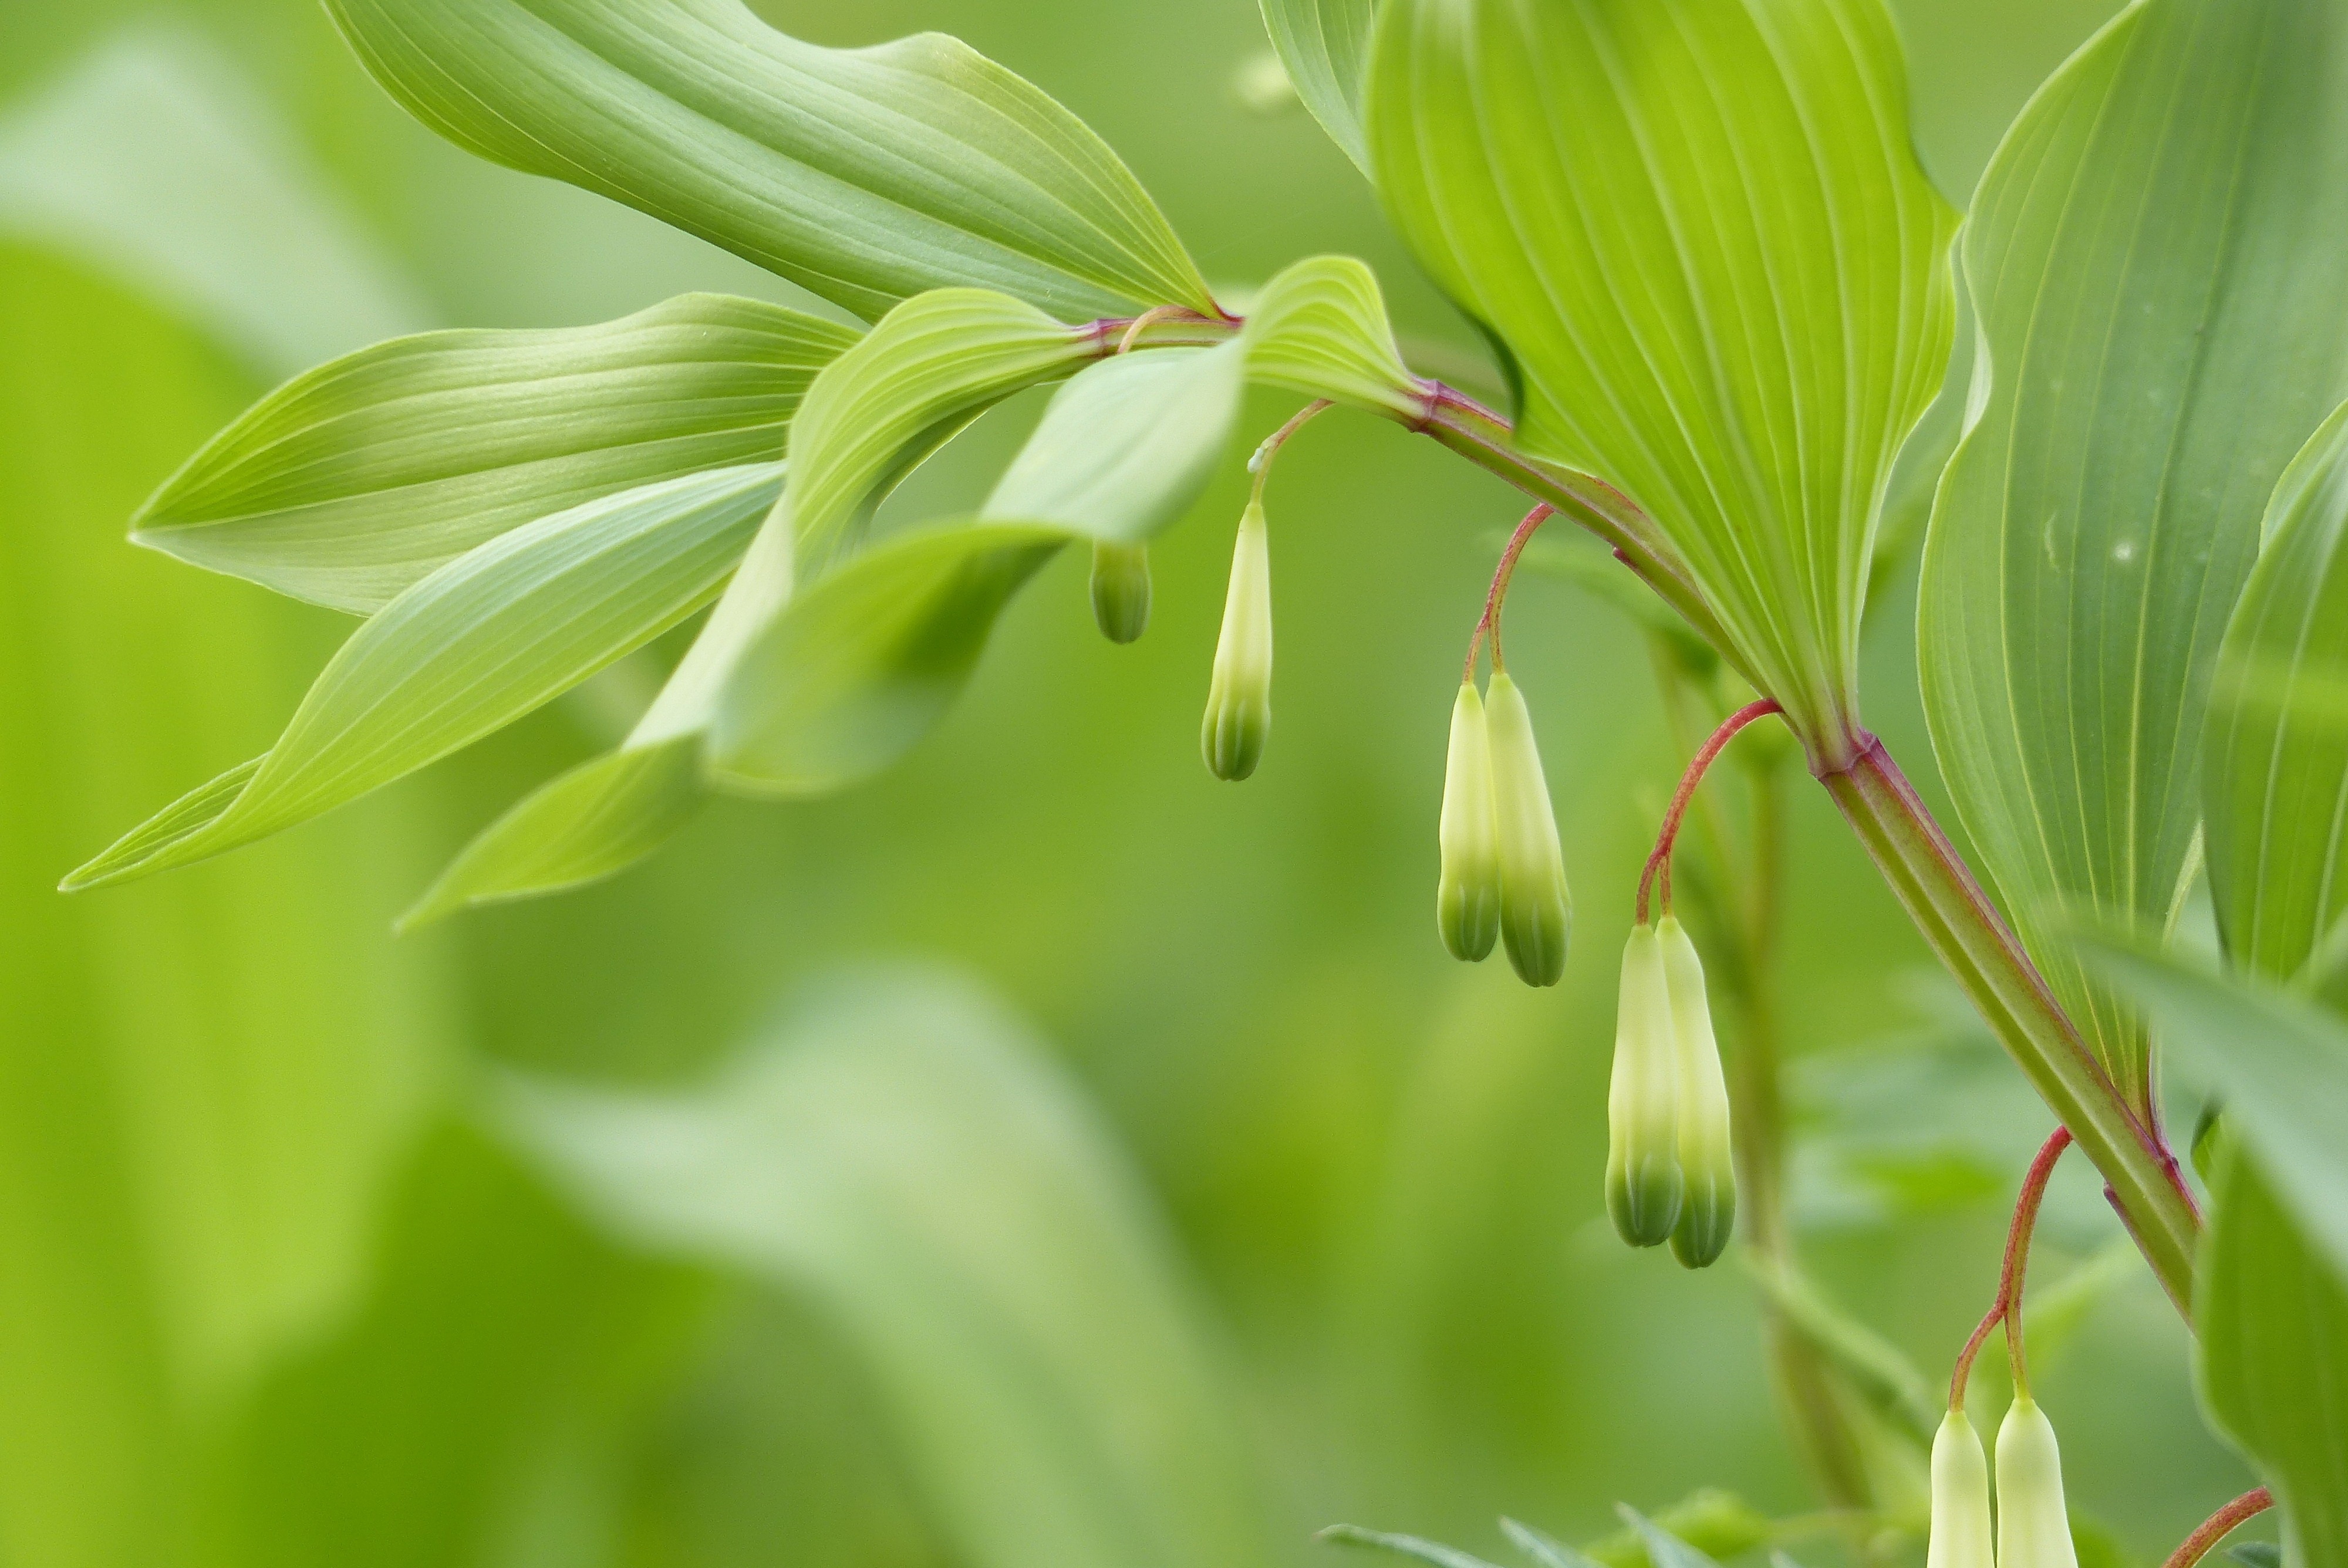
(2275, 775)
(2275, 1360)
(479, 643)
(864, 663)
(356, 480)
(206, 1082)
(1127, 447)
(1409, 1546)
(157, 163)
(1320, 328)
(2280, 1064)
(593, 821)
(2154, 257)
(1324, 47)
(865, 176)
(1699, 232)
(933, 364)
(874, 415)
(900, 1156)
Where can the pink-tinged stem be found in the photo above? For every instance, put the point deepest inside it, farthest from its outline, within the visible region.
(1658, 863)
(2218, 1526)
(2008, 1306)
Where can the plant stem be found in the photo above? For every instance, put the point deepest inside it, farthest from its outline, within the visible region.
(1658, 863)
(1965, 931)
(1489, 625)
(2008, 1306)
(2218, 1526)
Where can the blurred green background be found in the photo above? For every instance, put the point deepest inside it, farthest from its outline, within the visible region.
(1048, 1156)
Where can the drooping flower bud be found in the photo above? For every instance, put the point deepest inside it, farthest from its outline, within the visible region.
(1121, 590)
(1642, 1162)
(1707, 1163)
(1960, 1527)
(1239, 698)
(1536, 906)
(1468, 900)
(2033, 1528)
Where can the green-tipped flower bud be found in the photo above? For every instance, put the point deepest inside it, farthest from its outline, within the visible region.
(1467, 901)
(1121, 590)
(1536, 906)
(1707, 1163)
(1642, 1155)
(2033, 1528)
(1961, 1529)
(1239, 700)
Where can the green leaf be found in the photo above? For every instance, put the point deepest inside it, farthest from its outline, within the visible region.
(1324, 47)
(865, 176)
(2275, 774)
(470, 649)
(1320, 328)
(1128, 446)
(864, 663)
(2280, 1064)
(590, 823)
(2274, 1359)
(905, 1159)
(1710, 1523)
(2154, 257)
(1409, 1546)
(350, 483)
(1664, 1549)
(1699, 232)
(1876, 1369)
(1545, 1550)
(920, 376)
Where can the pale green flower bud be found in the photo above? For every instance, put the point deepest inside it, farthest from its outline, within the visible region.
(1642, 1160)
(1961, 1529)
(1121, 590)
(2034, 1529)
(1239, 700)
(1536, 906)
(1707, 1163)
(1467, 901)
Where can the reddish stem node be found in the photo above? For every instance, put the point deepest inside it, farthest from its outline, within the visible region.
(2218, 1526)
(1659, 864)
(2008, 1306)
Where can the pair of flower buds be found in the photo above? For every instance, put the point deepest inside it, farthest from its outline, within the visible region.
(1671, 1173)
(2033, 1527)
(1503, 867)
(1239, 698)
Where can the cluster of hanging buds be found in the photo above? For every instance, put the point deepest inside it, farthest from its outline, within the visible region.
(1503, 867)
(1238, 721)
(1671, 1171)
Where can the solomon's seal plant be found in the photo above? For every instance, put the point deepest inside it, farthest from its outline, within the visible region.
(1724, 298)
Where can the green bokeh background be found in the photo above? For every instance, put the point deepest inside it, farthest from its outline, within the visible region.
(269, 1291)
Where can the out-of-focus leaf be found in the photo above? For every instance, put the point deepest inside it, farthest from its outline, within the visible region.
(2274, 1358)
(1665, 1548)
(1545, 1550)
(2092, 1543)
(2280, 1064)
(593, 821)
(1709, 1523)
(2154, 256)
(1593, 570)
(1876, 1369)
(865, 176)
(206, 1082)
(2055, 1313)
(897, 1155)
(356, 480)
(863, 665)
(1127, 447)
(2275, 777)
(1700, 234)
(1324, 47)
(1409, 1546)
(471, 647)
(156, 163)
(2256, 1554)
(1320, 328)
